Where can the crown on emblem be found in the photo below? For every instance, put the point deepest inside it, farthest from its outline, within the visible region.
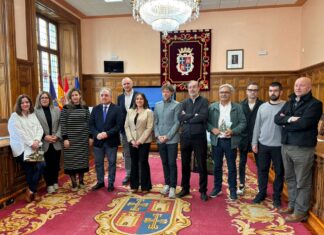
(185, 50)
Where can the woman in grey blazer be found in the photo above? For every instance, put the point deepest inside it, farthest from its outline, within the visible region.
(49, 118)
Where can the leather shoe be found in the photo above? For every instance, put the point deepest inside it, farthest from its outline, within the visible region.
(126, 180)
(286, 211)
(203, 197)
(182, 193)
(98, 186)
(296, 218)
(29, 196)
(110, 188)
(37, 198)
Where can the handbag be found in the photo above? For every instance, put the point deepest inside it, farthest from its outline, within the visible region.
(37, 156)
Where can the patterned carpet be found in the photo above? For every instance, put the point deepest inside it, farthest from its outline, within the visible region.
(120, 212)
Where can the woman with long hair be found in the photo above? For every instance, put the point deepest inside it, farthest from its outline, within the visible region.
(139, 127)
(75, 118)
(25, 139)
(49, 118)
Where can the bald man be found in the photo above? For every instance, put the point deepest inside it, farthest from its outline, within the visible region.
(126, 101)
(299, 118)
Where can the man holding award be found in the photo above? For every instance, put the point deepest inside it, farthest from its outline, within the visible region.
(226, 121)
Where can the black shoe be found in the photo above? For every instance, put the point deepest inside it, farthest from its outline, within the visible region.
(110, 188)
(233, 196)
(258, 199)
(277, 204)
(182, 193)
(98, 186)
(215, 193)
(203, 196)
(126, 180)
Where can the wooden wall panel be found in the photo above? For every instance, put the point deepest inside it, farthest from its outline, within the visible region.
(93, 84)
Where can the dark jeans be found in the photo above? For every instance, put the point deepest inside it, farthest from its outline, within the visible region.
(224, 147)
(33, 172)
(100, 153)
(52, 168)
(266, 155)
(199, 147)
(168, 153)
(242, 164)
(140, 156)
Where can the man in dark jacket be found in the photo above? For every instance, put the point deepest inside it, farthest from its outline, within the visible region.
(250, 107)
(193, 120)
(105, 123)
(126, 101)
(299, 119)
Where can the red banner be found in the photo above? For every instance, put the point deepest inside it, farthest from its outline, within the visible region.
(186, 56)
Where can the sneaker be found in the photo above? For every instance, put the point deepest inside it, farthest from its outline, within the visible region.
(233, 196)
(165, 190)
(50, 189)
(172, 193)
(215, 193)
(241, 189)
(56, 186)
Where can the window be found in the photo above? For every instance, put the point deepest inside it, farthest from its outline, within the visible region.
(47, 53)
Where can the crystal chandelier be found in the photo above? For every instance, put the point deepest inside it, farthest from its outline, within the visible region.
(165, 15)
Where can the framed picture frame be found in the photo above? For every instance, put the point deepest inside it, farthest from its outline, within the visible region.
(235, 59)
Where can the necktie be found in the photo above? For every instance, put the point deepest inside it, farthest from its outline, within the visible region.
(105, 113)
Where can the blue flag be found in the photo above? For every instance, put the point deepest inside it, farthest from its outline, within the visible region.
(52, 92)
(76, 83)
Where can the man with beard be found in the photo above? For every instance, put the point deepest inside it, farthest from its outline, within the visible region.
(266, 143)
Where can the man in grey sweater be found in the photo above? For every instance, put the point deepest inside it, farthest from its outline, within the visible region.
(266, 142)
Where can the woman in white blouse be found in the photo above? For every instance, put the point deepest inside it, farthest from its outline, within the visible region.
(25, 138)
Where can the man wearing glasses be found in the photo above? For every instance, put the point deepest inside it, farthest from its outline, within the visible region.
(226, 121)
(250, 107)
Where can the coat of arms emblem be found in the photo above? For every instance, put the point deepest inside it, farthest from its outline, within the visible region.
(185, 60)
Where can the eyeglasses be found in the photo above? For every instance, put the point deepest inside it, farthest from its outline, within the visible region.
(44, 98)
(252, 90)
(225, 92)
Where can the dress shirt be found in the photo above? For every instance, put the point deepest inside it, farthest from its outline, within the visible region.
(128, 99)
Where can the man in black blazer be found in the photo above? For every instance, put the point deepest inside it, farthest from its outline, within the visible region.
(105, 123)
(125, 101)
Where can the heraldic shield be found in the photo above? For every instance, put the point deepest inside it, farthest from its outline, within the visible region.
(152, 214)
(185, 60)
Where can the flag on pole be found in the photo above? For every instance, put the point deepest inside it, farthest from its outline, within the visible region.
(76, 83)
(66, 85)
(60, 98)
(52, 92)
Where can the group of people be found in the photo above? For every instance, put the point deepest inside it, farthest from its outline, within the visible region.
(276, 131)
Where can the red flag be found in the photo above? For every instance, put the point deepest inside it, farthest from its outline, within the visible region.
(60, 94)
(66, 85)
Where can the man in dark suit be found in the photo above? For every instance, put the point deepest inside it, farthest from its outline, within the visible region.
(125, 101)
(105, 124)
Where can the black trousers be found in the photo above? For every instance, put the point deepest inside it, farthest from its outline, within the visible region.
(199, 147)
(265, 156)
(52, 168)
(139, 156)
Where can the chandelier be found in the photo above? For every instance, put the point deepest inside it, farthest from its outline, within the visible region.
(165, 15)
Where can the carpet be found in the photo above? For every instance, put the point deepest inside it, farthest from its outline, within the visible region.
(101, 212)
